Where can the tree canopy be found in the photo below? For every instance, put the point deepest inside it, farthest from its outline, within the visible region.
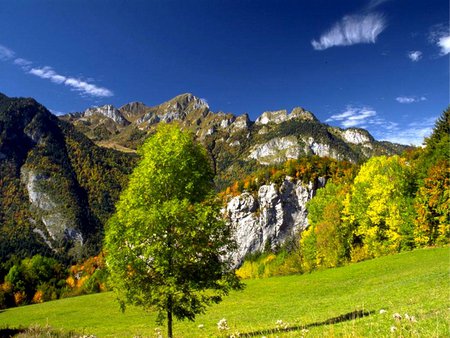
(167, 244)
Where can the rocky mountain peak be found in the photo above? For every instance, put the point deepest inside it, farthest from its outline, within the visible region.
(186, 101)
(302, 114)
(279, 116)
(133, 109)
(108, 111)
(276, 117)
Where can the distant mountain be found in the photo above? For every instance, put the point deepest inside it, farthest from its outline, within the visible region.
(237, 145)
(60, 177)
(57, 188)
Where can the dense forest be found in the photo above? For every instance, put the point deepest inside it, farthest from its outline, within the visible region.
(387, 205)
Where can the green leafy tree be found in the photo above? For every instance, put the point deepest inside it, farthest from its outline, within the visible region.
(167, 244)
(327, 241)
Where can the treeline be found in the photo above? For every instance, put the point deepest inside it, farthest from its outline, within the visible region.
(306, 169)
(39, 279)
(391, 204)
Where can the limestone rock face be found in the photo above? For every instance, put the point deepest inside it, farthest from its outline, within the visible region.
(241, 122)
(48, 207)
(108, 111)
(280, 116)
(356, 136)
(302, 114)
(273, 216)
(272, 116)
(276, 150)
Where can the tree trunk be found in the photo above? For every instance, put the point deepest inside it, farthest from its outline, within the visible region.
(169, 318)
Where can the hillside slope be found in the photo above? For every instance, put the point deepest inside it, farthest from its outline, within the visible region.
(329, 303)
(57, 188)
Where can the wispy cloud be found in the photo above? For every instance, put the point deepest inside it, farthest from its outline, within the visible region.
(85, 88)
(415, 55)
(353, 117)
(440, 36)
(351, 30)
(6, 53)
(382, 129)
(23, 63)
(412, 134)
(410, 99)
(375, 3)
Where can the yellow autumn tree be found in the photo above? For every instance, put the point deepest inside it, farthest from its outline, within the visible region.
(380, 207)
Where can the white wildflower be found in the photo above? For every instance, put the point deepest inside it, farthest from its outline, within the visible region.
(382, 311)
(222, 325)
(412, 319)
(281, 324)
(201, 326)
(393, 328)
(158, 333)
(397, 316)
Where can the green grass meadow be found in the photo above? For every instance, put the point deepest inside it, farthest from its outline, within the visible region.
(341, 302)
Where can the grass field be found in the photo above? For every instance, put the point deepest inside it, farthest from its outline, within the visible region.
(341, 302)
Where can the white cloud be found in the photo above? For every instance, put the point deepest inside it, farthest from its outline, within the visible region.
(382, 129)
(88, 88)
(410, 99)
(444, 43)
(76, 84)
(440, 36)
(353, 117)
(352, 29)
(415, 55)
(48, 73)
(6, 53)
(413, 134)
(24, 63)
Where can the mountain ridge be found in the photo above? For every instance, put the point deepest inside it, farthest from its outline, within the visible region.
(61, 179)
(235, 142)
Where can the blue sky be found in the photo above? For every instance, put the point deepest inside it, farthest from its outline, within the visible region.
(382, 65)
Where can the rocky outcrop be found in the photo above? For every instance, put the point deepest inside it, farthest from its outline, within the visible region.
(133, 109)
(276, 150)
(356, 136)
(241, 122)
(50, 208)
(270, 217)
(320, 149)
(108, 111)
(280, 116)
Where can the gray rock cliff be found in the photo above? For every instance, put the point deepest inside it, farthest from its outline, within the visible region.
(274, 215)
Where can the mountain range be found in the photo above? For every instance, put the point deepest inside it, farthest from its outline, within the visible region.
(236, 144)
(60, 176)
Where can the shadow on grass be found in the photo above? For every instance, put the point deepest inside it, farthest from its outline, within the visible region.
(339, 319)
(7, 332)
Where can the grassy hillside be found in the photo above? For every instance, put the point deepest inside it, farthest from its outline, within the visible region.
(324, 303)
